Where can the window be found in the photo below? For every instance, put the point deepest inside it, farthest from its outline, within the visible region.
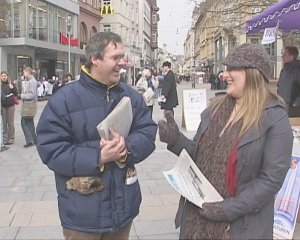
(256, 10)
(255, 40)
(106, 28)
(154, 19)
(154, 35)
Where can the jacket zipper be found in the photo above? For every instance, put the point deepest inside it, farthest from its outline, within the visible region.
(107, 95)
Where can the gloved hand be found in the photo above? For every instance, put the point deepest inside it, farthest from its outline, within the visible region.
(213, 212)
(168, 130)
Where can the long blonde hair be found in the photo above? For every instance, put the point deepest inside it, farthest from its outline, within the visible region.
(256, 95)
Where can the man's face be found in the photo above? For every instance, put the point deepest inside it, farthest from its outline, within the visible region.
(108, 69)
(165, 69)
(287, 57)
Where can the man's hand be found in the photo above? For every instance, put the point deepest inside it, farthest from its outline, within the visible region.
(168, 130)
(114, 149)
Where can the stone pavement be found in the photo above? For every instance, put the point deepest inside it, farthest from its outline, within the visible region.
(28, 206)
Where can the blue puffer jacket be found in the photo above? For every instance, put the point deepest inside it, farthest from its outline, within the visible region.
(68, 143)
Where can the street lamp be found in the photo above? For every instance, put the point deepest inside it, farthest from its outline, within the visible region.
(69, 42)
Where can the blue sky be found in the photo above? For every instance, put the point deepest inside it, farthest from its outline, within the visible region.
(175, 20)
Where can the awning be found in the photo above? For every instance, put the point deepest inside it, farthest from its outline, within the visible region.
(286, 13)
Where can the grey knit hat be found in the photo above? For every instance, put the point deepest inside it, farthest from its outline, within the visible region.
(249, 55)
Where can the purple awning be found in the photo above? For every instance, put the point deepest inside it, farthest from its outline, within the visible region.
(286, 13)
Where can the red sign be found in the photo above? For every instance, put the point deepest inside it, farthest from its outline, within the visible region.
(63, 39)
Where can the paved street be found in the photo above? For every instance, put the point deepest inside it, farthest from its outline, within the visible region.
(28, 206)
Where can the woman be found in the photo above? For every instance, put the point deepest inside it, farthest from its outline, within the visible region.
(243, 146)
(29, 97)
(146, 86)
(8, 92)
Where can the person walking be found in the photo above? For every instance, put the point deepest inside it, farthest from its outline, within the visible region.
(9, 95)
(97, 198)
(243, 147)
(193, 80)
(288, 86)
(29, 107)
(169, 98)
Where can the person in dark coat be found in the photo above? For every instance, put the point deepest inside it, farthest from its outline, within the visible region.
(98, 190)
(8, 93)
(169, 98)
(289, 81)
(243, 147)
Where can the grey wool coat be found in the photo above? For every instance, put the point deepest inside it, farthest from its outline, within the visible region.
(263, 159)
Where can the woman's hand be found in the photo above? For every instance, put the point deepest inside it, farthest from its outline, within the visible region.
(213, 211)
(168, 130)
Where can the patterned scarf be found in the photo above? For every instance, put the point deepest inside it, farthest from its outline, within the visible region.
(212, 156)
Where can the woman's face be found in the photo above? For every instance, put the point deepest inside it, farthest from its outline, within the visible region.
(4, 78)
(27, 74)
(235, 78)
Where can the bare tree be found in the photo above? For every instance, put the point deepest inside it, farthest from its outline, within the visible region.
(230, 14)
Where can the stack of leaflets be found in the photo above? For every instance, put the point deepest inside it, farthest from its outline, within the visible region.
(119, 120)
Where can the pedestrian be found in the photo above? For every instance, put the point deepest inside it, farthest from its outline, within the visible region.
(29, 107)
(193, 79)
(138, 76)
(9, 95)
(289, 81)
(2, 146)
(243, 147)
(68, 78)
(123, 76)
(146, 86)
(96, 198)
(168, 92)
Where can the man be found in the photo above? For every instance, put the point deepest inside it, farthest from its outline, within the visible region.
(97, 199)
(169, 98)
(289, 81)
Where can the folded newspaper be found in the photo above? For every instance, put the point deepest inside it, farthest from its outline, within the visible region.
(148, 94)
(187, 179)
(119, 120)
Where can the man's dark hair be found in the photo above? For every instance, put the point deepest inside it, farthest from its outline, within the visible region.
(293, 51)
(97, 43)
(166, 64)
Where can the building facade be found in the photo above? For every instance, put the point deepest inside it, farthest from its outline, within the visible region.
(219, 27)
(31, 32)
(136, 22)
(89, 20)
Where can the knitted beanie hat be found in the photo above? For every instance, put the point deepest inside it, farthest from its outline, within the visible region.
(249, 55)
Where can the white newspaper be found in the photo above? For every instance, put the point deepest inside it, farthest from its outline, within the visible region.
(148, 94)
(186, 178)
(119, 120)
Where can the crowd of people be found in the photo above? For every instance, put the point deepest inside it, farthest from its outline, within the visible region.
(25, 92)
(243, 144)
